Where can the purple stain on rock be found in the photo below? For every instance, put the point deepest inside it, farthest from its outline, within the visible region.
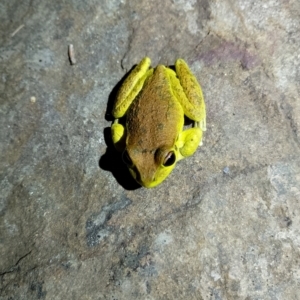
(229, 51)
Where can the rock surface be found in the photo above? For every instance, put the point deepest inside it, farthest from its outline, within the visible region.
(224, 225)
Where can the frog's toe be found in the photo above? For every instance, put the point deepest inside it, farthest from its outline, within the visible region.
(200, 124)
(203, 125)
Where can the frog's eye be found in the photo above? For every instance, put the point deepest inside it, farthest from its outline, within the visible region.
(169, 159)
(126, 158)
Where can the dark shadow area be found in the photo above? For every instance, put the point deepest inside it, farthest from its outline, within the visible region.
(112, 161)
(172, 67)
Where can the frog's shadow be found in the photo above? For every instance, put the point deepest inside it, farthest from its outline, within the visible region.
(111, 160)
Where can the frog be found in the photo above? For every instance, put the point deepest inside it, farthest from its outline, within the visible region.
(149, 115)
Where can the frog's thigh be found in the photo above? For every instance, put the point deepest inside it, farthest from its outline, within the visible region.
(118, 135)
(188, 141)
(131, 87)
(193, 103)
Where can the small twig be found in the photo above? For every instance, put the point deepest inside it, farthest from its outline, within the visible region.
(17, 30)
(71, 53)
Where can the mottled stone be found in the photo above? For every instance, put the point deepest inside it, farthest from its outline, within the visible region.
(74, 225)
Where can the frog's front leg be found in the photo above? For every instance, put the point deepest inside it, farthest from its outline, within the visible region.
(189, 140)
(118, 135)
(131, 87)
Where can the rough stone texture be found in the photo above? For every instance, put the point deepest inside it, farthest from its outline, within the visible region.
(224, 225)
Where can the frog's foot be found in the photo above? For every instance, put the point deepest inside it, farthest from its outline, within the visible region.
(131, 87)
(188, 141)
(118, 135)
(201, 124)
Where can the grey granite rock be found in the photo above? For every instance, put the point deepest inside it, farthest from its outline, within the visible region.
(224, 225)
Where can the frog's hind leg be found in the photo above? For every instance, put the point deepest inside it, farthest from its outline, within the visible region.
(189, 140)
(189, 94)
(131, 87)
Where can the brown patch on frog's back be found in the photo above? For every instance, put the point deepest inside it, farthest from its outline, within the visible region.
(154, 116)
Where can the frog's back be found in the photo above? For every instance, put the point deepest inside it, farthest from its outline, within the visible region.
(155, 118)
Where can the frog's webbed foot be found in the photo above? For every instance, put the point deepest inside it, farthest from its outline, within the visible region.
(118, 135)
(189, 140)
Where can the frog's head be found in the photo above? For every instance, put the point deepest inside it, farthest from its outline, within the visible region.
(150, 167)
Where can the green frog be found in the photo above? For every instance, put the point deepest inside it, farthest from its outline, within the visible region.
(153, 102)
